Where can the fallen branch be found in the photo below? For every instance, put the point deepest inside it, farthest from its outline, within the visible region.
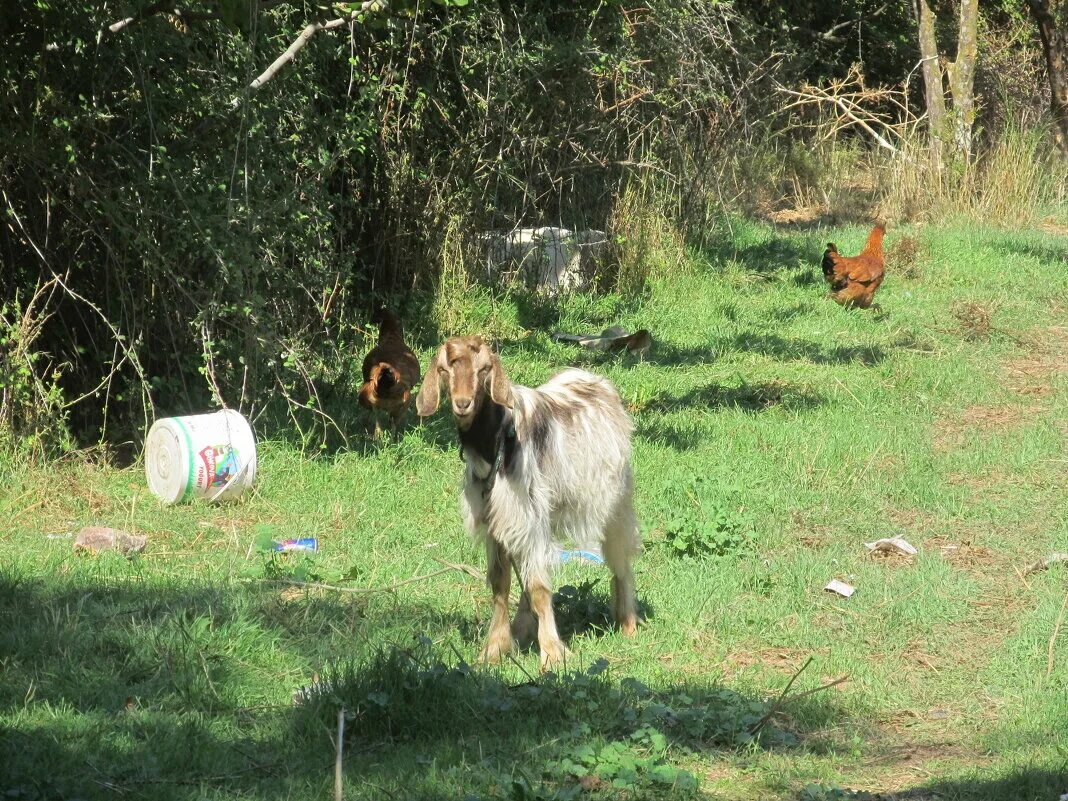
(1053, 638)
(1043, 564)
(473, 572)
(315, 585)
(368, 6)
(779, 701)
(822, 687)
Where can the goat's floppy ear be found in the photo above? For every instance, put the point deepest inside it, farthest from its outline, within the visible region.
(429, 397)
(500, 386)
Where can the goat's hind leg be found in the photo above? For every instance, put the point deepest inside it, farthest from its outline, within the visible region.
(499, 578)
(619, 547)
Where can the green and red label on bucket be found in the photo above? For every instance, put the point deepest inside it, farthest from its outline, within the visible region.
(209, 456)
(217, 465)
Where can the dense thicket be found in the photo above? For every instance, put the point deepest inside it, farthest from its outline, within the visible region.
(211, 243)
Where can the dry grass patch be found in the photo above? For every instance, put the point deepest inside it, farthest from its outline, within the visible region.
(965, 554)
(904, 257)
(786, 661)
(1034, 374)
(974, 320)
(952, 432)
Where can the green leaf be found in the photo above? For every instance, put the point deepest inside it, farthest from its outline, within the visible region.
(264, 537)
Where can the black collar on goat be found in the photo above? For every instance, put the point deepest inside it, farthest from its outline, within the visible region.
(492, 436)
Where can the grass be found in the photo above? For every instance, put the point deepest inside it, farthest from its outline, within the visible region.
(798, 429)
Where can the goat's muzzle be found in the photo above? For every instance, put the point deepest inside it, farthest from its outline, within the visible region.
(463, 410)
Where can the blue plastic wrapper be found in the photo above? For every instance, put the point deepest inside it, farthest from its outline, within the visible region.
(305, 544)
(591, 556)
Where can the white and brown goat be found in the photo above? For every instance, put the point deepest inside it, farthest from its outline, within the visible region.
(543, 465)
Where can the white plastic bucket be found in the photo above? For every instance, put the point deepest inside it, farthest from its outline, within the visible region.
(209, 456)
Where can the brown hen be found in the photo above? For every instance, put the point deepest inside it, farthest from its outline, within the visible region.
(390, 371)
(854, 279)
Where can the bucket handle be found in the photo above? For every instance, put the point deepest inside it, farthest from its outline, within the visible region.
(229, 481)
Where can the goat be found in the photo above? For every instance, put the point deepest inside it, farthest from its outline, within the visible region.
(541, 463)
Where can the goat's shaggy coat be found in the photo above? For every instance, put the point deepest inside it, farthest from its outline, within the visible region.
(543, 465)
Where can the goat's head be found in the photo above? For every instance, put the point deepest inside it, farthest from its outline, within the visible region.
(473, 372)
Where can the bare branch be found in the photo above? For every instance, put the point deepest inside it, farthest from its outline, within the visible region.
(367, 7)
(850, 111)
(144, 13)
(169, 7)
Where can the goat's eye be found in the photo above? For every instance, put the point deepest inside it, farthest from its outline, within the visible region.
(483, 370)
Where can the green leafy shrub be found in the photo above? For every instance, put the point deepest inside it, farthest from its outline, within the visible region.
(33, 413)
(709, 522)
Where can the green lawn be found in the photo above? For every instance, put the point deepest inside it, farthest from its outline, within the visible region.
(773, 426)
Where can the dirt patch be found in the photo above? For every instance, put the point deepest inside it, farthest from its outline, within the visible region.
(993, 418)
(992, 482)
(1046, 361)
(782, 660)
(813, 535)
(898, 758)
(923, 752)
(951, 432)
(963, 553)
(912, 520)
(916, 654)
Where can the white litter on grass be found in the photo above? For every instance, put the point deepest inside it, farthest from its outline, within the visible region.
(840, 588)
(307, 694)
(892, 545)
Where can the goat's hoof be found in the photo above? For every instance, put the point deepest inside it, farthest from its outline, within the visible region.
(496, 651)
(553, 655)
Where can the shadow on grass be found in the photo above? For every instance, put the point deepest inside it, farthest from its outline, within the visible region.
(1027, 784)
(771, 256)
(1019, 784)
(754, 397)
(585, 609)
(656, 424)
(799, 349)
(114, 688)
(1051, 255)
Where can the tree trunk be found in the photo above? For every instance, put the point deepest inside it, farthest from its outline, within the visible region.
(933, 92)
(1055, 47)
(962, 78)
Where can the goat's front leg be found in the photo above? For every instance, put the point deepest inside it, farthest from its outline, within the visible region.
(553, 650)
(499, 578)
